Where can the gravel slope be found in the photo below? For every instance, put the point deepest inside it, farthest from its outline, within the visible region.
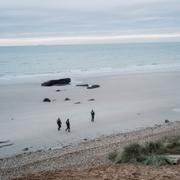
(112, 172)
(86, 155)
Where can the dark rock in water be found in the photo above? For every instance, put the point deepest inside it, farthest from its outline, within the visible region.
(166, 121)
(93, 86)
(91, 100)
(46, 100)
(58, 90)
(82, 85)
(57, 82)
(85, 139)
(67, 99)
(26, 149)
(77, 103)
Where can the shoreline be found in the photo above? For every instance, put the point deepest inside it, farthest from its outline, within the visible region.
(86, 74)
(83, 156)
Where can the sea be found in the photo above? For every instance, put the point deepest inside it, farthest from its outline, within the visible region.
(88, 59)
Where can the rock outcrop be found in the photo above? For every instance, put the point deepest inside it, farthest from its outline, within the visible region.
(82, 85)
(57, 82)
(93, 86)
(88, 86)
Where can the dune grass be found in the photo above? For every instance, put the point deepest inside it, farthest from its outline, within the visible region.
(156, 160)
(150, 153)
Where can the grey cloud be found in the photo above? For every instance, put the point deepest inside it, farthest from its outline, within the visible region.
(64, 17)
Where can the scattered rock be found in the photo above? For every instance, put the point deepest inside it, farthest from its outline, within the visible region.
(82, 85)
(26, 149)
(175, 159)
(88, 86)
(57, 82)
(77, 103)
(46, 100)
(67, 99)
(166, 121)
(157, 125)
(58, 90)
(91, 100)
(85, 139)
(93, 86)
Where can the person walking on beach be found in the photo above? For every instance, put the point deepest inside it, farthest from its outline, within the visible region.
(92, 115)
(68, 125)
(59, 123)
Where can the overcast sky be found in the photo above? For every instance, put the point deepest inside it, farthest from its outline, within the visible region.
(66, 18)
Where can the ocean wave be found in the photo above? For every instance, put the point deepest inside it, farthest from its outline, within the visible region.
(140, 68)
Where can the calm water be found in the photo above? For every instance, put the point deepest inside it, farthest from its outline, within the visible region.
(41, 60)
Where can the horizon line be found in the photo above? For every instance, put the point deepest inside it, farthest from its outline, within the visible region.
(70, 40)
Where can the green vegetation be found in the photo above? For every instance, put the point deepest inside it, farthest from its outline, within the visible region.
(113, 156)
(132, 153)
(151, 153)
(156, 160)
(173, 145)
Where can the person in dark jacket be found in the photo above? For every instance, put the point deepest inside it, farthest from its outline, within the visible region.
(59, 123)
(68, 125)
(92, 115)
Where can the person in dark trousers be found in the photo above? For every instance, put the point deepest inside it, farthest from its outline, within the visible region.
(59, 123)
(92, 115)
(68, 125)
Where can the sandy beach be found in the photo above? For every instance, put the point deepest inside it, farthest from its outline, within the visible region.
(122, 103)
(128, 108)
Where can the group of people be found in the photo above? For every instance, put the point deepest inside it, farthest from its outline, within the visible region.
(59, 123)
